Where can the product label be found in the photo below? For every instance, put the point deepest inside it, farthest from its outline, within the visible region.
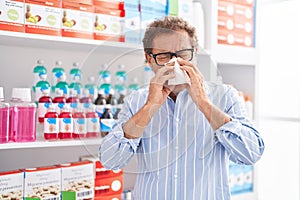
(66, 125)
(51, 125)
(42, 109)
(39, 92)
(100, 110)
(42, 17)
(93, 125)
(79, 125)
(78, 180)
(11, 11)
(59, 107)
(43, 184)
(106, 124)
(109, 25)
(77, 20)
(11, 186)
(73, 107)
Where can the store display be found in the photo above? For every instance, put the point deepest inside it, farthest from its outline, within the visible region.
(58, 74)
(91, 88)
(80, 123)
(73, 101)
(12, 15)
(43, 104)
(75, 73)
(39, 73)
(100, 103)
(65, 123)
(59, 101)
(107, 120)
(41, 88)
(93, 124)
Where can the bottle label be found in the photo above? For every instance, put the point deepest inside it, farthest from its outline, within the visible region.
(73, 106)
(114, 109)
(106, 124)
(79, 125)
(59, 107)
(93, 125)
(66, 125)
(51, 125)
(100, 110)
(42, 109)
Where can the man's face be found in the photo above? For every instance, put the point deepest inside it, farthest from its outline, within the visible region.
(168, 42)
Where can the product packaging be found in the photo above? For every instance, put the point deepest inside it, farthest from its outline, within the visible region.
(11, 186)
(12, 15)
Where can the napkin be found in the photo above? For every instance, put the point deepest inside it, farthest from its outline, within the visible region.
(181, 76)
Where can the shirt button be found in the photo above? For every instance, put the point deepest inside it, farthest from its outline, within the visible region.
(175, 176)
(177, 120)
(176, 147)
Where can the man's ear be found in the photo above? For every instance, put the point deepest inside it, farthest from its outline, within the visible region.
(148, 58)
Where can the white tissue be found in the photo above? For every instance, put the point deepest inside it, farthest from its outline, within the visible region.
(181, 76)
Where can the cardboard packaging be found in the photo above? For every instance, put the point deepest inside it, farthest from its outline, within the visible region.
(43, 17)
(11, 185)
(77, 19)
(12, 15)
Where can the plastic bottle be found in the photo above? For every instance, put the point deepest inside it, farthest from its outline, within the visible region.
(39, 73)
(91, 88)
(73, 101)
(104, 74)
(113, 101)
(198, 22)
(75, 73)
(79, 123)
(133, 85)
(43, 104)
(85, 101)
(64, 87)
(106, 87)
(40, 88)
(249, 106)
(4, 119)
(65, 123)
(76, 89)
(119, 106)
(148, 73)
(51, 124)
(100, 103)
(107, 121)
(22, 116)
(120, 75)
(58, 74)
(93, 124)
(59, 101)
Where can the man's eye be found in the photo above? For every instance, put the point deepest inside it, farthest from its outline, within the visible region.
(163, 57)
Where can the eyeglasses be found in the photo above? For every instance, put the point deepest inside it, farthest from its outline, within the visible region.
(162, 58)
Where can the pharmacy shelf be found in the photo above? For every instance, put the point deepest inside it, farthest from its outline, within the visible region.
(66, 43)
(47, 144)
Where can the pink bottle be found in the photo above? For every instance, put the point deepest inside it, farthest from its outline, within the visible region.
(43, 104)
(4, 119)
(93, 124)
(59, 101)
(79, 122)
(51, 124)
(22, 126)
(65, 123)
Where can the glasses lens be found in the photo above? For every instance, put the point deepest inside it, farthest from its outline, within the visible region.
(162, 58)
(185, 54)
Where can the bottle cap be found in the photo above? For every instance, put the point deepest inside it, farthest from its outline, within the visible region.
(121, 66)
(58, 63)
(23, 94)
(101, 91)
(40, 62)
(76, 64)
(1, 93)
(91, 79)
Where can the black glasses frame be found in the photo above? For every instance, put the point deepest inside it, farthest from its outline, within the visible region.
(171, 54)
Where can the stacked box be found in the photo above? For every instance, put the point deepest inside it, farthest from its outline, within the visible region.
(108, 183)
(11, 185)
(236, 24)
(77, 18)
(12, 15)
(77, 180)
(43, 17)
(42, 183)
(109, 21)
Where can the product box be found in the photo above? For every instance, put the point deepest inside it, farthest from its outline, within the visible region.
(109, 24)
(42, 183)
(109, 197)
(109, 186)
(241, 2)
(132, 5)
(42, 17)
(77, 180)
(132, 27)
(77, 19)
(100, 171)
(11, 185)
(12, 15)
(110, 4)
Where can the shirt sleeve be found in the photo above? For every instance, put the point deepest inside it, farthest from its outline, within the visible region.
(115, 150)
(241, 140)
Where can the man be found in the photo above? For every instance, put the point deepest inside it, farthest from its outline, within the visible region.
(183, 135)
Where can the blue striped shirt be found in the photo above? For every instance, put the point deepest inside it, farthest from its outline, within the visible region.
(179, 155)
